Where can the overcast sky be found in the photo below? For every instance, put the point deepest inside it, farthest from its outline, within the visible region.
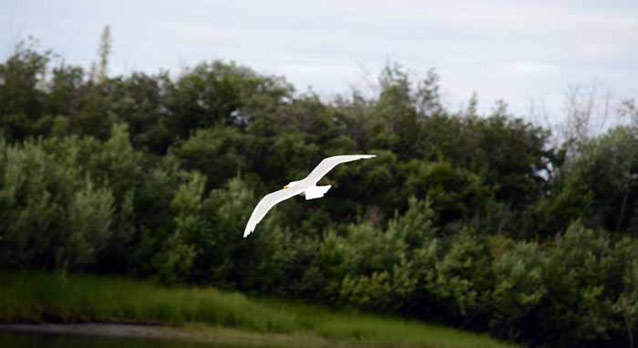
(512, 50)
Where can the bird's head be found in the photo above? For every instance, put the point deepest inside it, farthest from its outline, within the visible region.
(291, 184)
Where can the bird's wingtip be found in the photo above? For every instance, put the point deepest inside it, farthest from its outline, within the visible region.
(248, 231)
(368, 156)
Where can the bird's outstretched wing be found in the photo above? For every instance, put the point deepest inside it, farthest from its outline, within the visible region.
(266, 203)
(329, 163)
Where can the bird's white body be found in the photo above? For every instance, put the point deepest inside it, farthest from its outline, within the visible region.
(307, 187)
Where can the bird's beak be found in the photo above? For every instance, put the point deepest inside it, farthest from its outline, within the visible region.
(286, 186)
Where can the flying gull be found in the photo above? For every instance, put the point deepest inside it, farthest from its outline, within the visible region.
(307, 187)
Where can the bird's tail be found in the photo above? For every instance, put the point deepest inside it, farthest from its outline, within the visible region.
(316, 191)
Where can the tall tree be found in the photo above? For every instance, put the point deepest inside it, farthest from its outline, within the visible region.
(104, 51)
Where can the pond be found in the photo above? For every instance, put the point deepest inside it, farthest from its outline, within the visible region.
(15, 340)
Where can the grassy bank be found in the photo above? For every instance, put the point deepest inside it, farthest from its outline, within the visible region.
(39, 297)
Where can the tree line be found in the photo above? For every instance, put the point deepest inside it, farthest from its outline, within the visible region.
(477, 221)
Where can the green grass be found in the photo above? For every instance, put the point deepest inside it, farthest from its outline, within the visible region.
(38, 297)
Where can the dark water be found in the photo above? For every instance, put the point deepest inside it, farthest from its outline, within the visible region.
(14, 340)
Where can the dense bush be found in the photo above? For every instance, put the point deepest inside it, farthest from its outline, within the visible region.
(475, 221)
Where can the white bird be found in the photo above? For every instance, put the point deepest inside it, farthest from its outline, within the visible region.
(307, 187)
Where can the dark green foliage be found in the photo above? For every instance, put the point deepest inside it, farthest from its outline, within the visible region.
(21, 74)
(475, 221)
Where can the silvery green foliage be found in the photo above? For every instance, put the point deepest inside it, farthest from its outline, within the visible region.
(519, 287)
(580, 278)
(175, 260)
(416, 226)
(463, 277)
(54, 215)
